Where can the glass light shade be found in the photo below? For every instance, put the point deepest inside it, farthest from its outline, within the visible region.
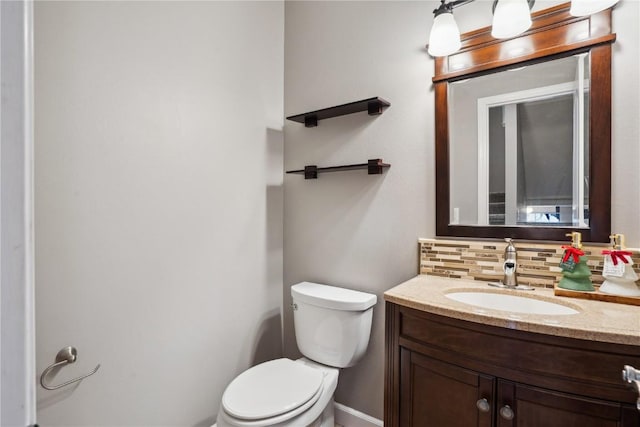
(588, 7)
(444, 38)
(511, 17)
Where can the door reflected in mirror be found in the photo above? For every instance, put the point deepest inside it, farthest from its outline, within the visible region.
(519, 146)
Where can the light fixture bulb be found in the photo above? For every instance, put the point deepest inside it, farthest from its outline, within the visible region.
(588, 7)
(444, 38)
(510, 18)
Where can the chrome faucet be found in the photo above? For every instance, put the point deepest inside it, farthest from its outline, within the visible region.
(510, 266)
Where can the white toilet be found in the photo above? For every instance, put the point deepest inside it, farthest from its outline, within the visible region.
(332, 327)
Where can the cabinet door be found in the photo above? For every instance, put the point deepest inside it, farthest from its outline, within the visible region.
(437, 394)
(525, 406)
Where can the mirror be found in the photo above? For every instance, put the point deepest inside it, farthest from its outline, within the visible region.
(523, 131)
(526, 140)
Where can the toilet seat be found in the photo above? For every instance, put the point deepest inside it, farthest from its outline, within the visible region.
(273, 391)
(305, 415)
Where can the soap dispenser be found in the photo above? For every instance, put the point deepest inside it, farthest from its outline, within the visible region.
(575, 272)
(620, 278)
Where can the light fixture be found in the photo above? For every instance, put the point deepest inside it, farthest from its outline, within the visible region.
(589, 7)
(510, 18)
(444, 38)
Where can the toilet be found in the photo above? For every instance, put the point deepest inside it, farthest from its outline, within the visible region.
(332, 328)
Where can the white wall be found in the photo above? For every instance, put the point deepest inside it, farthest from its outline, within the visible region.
(158, 204)
(625, 150)
(360, 231)
(349, 228)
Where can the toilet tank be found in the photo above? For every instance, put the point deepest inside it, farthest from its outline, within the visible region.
(332, 324)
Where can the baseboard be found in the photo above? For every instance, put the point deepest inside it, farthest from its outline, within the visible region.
(349, 417)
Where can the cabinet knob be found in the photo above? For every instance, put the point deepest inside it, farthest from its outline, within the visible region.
(506, 412)
(483, 405)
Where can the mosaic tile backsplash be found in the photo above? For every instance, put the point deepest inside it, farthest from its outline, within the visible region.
(538, 263)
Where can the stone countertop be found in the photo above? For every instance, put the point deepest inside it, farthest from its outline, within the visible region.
(596, 320)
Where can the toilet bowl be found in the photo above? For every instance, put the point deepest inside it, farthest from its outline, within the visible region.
(332, 328)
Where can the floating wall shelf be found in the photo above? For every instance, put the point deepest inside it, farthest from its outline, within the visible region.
(373, 106)
(373, 167)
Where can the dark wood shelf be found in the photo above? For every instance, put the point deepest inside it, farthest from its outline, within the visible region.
(373, 167)
(373, 106)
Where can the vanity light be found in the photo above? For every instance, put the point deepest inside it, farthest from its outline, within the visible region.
(510, 18)
(589, 7)
(444, 38)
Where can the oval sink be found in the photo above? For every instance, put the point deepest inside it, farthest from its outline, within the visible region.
(512, 303)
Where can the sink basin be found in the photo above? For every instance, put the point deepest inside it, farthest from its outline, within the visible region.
(512, 303)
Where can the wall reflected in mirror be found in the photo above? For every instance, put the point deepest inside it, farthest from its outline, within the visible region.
(519, 146)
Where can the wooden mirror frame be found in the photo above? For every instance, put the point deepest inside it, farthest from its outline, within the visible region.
(555, 33)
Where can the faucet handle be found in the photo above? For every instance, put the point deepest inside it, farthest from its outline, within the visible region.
(509, 250)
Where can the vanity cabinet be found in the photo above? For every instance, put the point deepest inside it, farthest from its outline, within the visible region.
(445, 372)
(541, 407)
(434, 393)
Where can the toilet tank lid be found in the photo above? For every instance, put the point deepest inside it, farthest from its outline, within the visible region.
(332, 297)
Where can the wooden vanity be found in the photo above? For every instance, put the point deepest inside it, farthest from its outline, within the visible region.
(450, 364)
